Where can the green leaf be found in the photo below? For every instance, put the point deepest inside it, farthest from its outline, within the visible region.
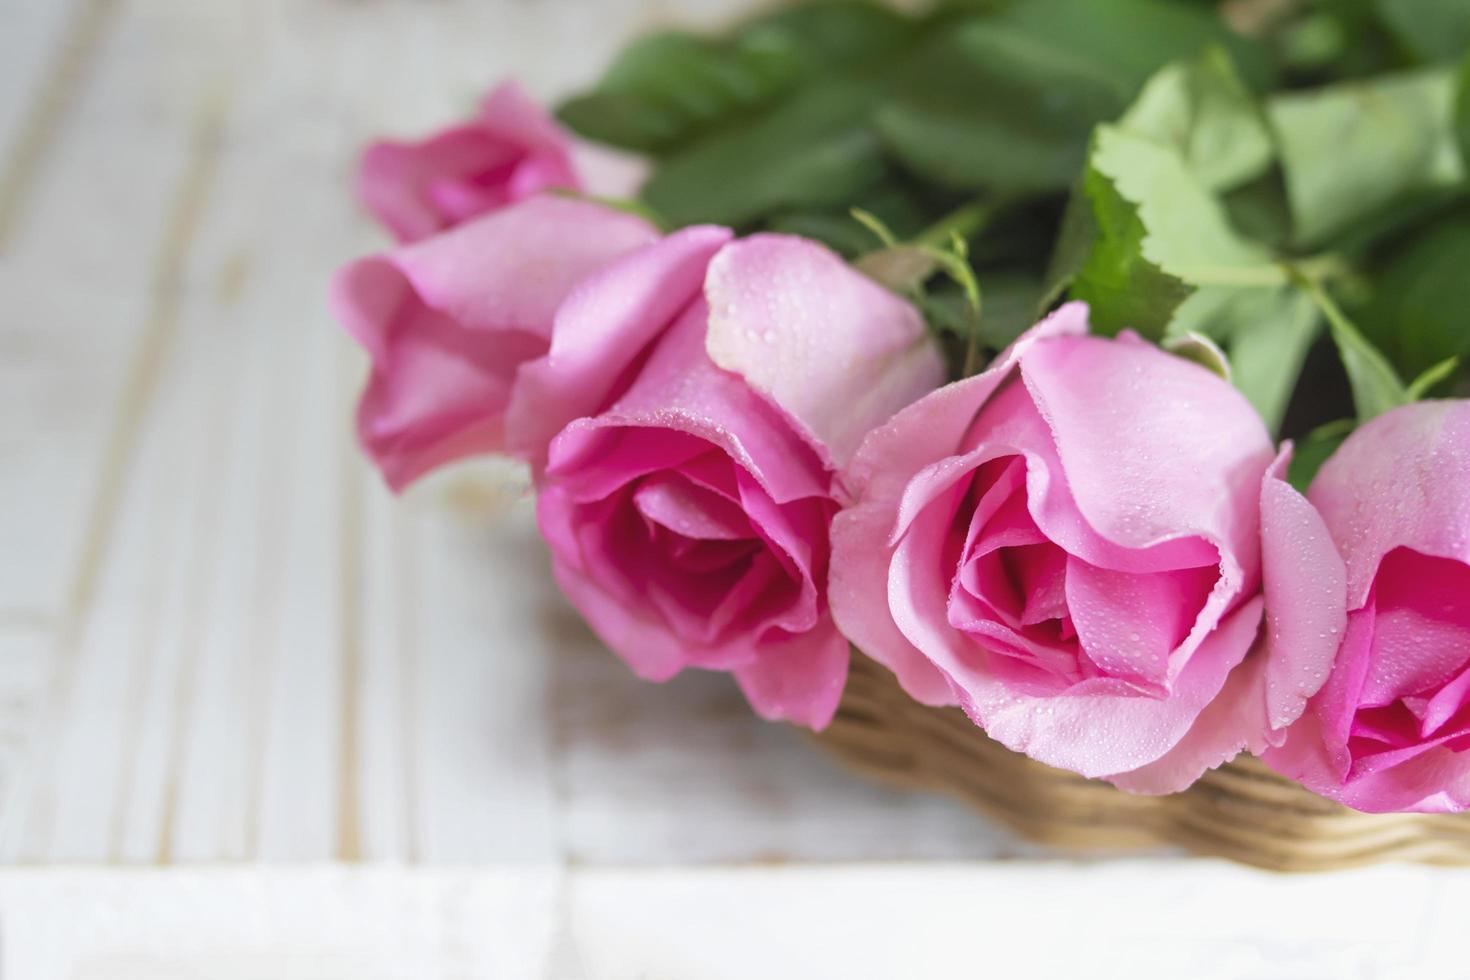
(1149, 244)
(668, 89)
(1376, 386)
(1352, 151)
(1005, 103)
(814, 151)
(1202, 108)
(1011, 300)
(664, 88)
(991, 108)
(1133, 38)
(1123, 288)
(1462, 111)
(1159, 236)
(1432, 30)
(1316, 448)
(1419, 313)
(831, 33)
(1074, 243)
(894, 204)
(1266, 332)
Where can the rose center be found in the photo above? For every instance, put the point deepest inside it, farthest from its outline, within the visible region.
(1055, 618)
(1415, 688)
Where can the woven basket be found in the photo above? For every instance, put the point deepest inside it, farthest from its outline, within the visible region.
(1241, 811)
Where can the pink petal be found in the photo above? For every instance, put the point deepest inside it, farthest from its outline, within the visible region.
(1314, 751)
(1305, 583)
(1421, 635)
(798, 679)
(1010, 423)
(1399, 481)
(607, 172)
(448, 323)
(631, 630)
(834, 351)
(688, 510)
(513, 269)
(680, 390)
(1129, 623)
(875, 481)
(511, 151)
(1156, 449)
(514, 117)
(1446, 703)
(602, 331)
(1152, 443)
(395, 180)
(1233, 722)
(1105, 734)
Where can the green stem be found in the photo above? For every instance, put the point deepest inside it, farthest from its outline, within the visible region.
(1375, 384)
(956, 228)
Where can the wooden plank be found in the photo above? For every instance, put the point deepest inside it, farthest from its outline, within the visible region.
(46, 51)
(306, 924)
(254, 652)
(24, 649)
(1122, 920)
(700, 777)
(1119, 920)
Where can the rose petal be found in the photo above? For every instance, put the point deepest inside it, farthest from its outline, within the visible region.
(1314, 751)
(1129, 623)
(1305, 583)
(1104, 734)
(1232, 723)
(509, 113)
(798, 679)
(397, 181)
(1398, 481)
(633, 631)
(1128, 419)
(679, 389)
(1421, 632)
(834, 351)
(509, 152)
(602, 331)
(449, 321)
(874, 483)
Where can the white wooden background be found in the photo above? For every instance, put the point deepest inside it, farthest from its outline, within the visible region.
(221, 642)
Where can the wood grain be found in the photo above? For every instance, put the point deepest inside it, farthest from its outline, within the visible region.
(233, 644)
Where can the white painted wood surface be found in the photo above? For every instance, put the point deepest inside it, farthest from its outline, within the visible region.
(878, 922)
(221, 641)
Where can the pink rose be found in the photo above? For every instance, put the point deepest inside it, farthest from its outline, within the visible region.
(450, 322)
(1068, 547)
(507, 153)
(688, 520)
(1391, 728)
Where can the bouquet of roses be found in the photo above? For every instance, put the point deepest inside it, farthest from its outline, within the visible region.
(784, 403)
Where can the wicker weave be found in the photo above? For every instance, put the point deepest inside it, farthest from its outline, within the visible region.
(1241, 811)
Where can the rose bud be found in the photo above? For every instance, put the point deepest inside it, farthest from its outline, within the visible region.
(1067, 546)
(450, 322)
(688, 520)
(508, 152)
(1390, 729)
